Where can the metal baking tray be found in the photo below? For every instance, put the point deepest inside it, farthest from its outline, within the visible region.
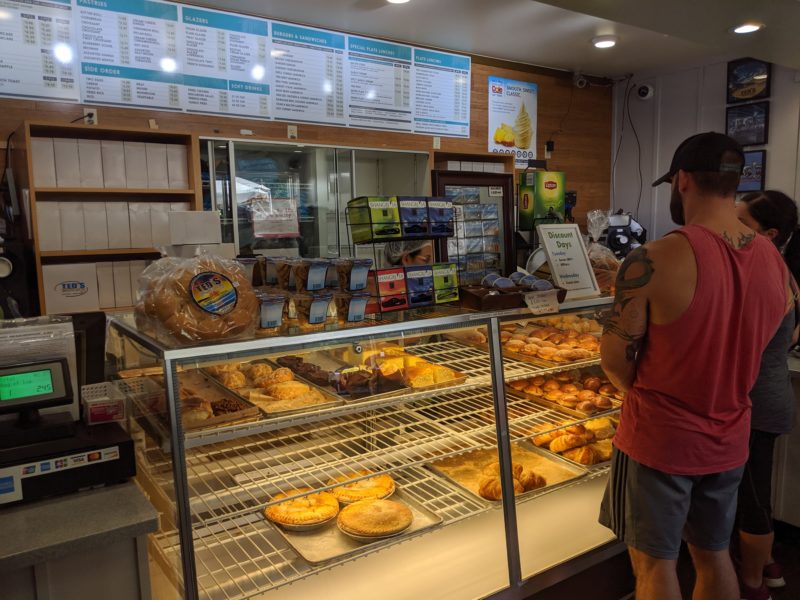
(573, 412)
(197, 381)
(327, 543)
(466, 470)
(243, 394)
(403, 388)
(329, 362)
(550, 364)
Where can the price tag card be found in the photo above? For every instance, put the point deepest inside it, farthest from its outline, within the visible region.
(569, 262)
(542, 303)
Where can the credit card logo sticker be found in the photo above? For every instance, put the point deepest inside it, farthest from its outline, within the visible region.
(6, 485)
(30, 469)
(44, 467)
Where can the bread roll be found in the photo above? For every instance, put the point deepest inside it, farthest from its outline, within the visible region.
(551, 385)
(592, 383)
(233, 379)
(493, 470)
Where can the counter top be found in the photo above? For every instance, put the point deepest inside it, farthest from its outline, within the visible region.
(46, 530)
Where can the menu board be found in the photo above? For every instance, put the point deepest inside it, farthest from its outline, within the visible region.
(224, 63)
(379, 74)
(309, 74)
(441, 93)
(153, 54)
(129, 53)
(37, 50)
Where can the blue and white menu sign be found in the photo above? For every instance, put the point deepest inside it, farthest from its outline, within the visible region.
(441, 93)
(309, 85)
(129, 53)
(224, 63)
(38, 58)
(379, 74)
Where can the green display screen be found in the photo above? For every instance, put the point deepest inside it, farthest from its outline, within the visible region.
(26, 385)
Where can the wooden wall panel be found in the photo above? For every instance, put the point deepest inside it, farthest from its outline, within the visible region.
(582, 147)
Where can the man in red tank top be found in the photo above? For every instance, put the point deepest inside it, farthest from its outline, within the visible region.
(692, 314)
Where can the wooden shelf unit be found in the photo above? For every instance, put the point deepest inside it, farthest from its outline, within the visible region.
(24, 169)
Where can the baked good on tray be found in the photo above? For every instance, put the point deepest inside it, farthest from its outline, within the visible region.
(375, 518)
(195, 410)
(307, 510)
(379, 486)
(491, 489)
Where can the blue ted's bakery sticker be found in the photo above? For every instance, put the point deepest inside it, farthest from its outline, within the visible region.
(213, 292)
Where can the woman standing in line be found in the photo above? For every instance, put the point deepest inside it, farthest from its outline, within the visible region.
(774, 215)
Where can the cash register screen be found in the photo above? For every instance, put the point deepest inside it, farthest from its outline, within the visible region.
(34, 385)
(26, 385)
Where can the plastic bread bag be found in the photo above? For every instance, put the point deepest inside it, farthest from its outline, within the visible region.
(196, 299)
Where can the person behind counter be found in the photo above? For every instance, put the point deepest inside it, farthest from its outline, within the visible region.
(677, 325)
(774, 215)
(409, 253)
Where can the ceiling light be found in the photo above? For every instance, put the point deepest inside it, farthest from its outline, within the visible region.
(604, 41)
(258, 72)
(397, 1)
(747, 28)
(168, 64)
(63, 53)
(5, 15)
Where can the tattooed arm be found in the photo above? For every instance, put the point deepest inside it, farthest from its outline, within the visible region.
(625, 329)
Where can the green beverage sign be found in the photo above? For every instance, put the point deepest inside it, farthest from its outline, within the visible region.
(24, 385)
(541, 194)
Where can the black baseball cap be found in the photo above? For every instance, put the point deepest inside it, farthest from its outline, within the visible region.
(711, 152)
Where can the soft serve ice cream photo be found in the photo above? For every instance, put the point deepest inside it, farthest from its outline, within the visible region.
(512, 118)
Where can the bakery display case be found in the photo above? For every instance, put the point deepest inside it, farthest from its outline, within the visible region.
(333, 461)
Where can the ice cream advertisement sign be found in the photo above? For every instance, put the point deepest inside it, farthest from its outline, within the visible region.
(512, 118)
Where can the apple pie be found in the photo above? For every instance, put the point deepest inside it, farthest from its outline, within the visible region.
(374, 517)
(379, 486)
(307, 510)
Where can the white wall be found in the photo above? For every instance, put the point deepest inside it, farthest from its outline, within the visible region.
(690, 101)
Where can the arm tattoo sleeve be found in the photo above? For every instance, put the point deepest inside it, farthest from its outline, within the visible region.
(628, 319)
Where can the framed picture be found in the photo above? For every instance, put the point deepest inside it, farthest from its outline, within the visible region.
(748, 79)
(754, 171)
(748, 124)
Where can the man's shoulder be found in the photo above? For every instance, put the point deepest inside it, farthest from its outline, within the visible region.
(666, 249)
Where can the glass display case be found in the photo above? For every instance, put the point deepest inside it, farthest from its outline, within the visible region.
(415, 454)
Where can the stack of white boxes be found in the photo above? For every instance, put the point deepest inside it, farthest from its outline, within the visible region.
(82, 287)
(471, 166)
(108, 225)
(79, 163)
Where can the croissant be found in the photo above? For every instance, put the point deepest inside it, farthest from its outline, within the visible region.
(584, 455)
(493, 470)
(567, 442)
(530, 480)
(491, 489)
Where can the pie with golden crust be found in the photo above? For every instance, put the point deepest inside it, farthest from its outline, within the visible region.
(379, 486)
(307, 510)
(374, 517)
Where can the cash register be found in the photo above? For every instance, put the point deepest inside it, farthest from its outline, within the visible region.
(49, 454)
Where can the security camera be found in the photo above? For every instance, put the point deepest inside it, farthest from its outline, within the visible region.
(579, 81)
(645, 91)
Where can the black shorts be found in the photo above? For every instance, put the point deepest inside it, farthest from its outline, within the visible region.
(755, 491)
(652, 511)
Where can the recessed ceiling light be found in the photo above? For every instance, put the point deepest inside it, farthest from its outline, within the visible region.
(747, 28)
(397, 1)
(604, 41)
